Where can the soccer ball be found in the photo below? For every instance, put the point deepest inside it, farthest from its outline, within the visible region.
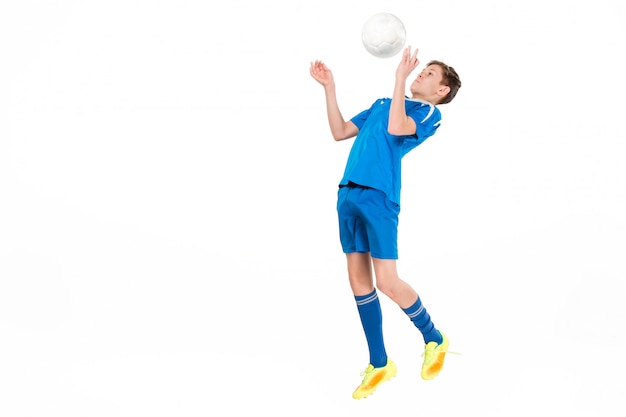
(383, 35)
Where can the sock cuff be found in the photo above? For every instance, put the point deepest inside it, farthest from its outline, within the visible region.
(414, 310)
(366, 299)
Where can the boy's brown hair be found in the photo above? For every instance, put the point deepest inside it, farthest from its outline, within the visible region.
(450, 78)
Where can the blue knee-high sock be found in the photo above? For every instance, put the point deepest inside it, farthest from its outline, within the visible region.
(372, 321)
(420, 317)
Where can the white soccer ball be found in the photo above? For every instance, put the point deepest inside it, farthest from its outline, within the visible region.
(383, 35)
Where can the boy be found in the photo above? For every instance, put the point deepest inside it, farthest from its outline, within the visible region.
(368, 203)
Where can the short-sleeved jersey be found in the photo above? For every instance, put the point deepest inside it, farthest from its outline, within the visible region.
(375, 157)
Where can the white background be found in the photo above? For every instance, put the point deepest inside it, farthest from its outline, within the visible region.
(168, 238)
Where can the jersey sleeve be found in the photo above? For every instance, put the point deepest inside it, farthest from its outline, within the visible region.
(427, 120)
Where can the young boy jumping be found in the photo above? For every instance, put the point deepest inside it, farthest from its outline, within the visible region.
(368, 203)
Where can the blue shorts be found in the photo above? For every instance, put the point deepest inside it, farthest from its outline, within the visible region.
(368, 222)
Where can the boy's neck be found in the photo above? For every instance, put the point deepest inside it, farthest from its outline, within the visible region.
(429, 100)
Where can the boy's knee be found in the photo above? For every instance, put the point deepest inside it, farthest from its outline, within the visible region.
(386, 285)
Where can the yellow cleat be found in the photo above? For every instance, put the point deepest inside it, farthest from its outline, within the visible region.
(434, 355)
(373, 377)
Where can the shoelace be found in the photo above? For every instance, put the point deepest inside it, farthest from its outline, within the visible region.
(429, 354)
(367, 373)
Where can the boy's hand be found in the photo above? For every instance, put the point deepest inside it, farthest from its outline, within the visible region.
(407, 64)
(320, 72)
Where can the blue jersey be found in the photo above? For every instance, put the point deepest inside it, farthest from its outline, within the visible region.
(375, 157)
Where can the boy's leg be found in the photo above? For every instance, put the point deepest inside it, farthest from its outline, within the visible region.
(390, 284)
(368, 304)
(360, 273)
(388, 281)
(380, 368)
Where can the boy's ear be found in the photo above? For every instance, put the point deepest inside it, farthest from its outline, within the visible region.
(443, 91)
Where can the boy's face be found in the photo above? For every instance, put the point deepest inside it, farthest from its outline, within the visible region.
(428, 83)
